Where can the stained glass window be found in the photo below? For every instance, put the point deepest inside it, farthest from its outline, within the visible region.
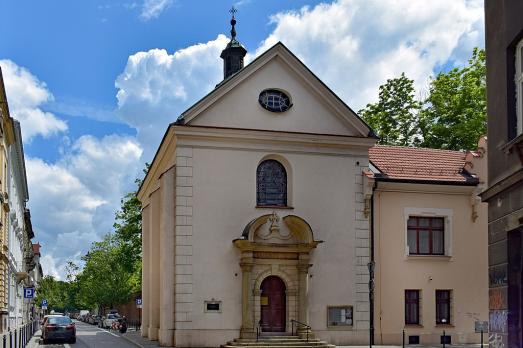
(271, 180)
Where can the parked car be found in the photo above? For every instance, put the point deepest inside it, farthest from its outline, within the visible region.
(110, 319)
(58, 327)
(94, 319)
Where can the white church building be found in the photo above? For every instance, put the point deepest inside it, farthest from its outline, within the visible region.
(255, 215)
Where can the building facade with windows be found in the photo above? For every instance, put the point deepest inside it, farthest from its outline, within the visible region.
(19, 229)
(504, 54)
(430, 244)
(6, 140)
(253, 211)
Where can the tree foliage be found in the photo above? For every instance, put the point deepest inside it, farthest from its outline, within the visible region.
(394, 116)
(105, 279)
(453, 116)
(455, 112)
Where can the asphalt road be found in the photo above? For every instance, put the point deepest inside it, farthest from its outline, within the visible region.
(90, 336)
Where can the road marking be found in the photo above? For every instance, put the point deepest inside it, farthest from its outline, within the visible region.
(109, 332)
(67, 345)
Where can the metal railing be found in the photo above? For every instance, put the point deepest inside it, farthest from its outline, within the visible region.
(300, 324)
(258, 330)
(20, 336)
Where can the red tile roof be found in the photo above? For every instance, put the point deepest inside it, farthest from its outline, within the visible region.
(412, 163)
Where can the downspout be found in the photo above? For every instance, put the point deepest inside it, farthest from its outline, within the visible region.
(371, 291)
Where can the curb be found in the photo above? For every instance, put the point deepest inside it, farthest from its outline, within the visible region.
(131, 341)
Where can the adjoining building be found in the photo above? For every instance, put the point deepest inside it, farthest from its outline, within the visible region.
(504, 53)
(430, 244)
(19, 230)
(16, 254)
(253, 211)
(6, 140)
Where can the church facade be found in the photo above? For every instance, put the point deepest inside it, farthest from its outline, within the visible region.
(254, 214)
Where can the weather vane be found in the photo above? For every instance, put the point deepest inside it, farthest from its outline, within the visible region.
(233, 11)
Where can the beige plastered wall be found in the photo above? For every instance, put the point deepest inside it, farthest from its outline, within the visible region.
(223, 202)
(463, 272)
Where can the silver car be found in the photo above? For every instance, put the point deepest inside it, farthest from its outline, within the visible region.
(110, 319)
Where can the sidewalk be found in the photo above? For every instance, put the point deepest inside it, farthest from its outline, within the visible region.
(34, 342)
(135, 337)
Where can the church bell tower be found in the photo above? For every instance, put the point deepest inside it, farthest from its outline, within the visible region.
(233, 54)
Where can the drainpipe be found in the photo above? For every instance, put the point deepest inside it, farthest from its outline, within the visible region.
(371, 268)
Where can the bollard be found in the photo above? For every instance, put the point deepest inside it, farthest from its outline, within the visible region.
(444, 339)
(16, 338)
(4, 341)
(403, 345)
(10, 339)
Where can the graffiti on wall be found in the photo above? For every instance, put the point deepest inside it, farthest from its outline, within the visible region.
(498, 321)
(498, 276)
(497, 298)
(496, 340)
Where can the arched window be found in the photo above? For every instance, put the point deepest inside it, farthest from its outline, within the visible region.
(271, 184)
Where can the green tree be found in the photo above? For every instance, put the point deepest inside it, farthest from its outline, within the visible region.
(105, 280)
(455, 115)
(394, 117)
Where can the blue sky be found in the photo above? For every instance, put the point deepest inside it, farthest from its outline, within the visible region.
(95, 83)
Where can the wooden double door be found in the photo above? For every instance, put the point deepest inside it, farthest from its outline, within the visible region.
(273, 305)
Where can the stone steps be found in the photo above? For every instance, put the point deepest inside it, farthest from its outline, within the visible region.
(277, 342)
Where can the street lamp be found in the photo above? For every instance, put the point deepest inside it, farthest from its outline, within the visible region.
(370, 266)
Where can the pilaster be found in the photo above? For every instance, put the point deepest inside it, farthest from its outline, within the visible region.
(183, 236)
(167, 245)
(362, 246)
(247, 329)
(146, 254)
(154, 267)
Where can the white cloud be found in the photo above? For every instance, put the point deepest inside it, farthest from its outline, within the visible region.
(73, 200)
(26, 94)
(352, 45)
(153, 8)
(355, 45)
(155, 87)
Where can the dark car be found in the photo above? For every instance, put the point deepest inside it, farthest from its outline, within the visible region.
(59, 328)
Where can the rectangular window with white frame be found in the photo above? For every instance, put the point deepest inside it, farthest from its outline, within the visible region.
(428, 232)
(518, 79)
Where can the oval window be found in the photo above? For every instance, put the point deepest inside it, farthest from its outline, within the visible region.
(274, 100)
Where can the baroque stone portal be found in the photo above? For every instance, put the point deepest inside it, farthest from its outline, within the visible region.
(274, 247)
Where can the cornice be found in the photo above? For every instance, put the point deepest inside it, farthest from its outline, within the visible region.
(425, 188)
(274, 141)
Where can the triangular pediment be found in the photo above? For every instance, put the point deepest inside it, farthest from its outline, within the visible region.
(315, 108)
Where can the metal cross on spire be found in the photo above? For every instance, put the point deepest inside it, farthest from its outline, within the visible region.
(232, 11)
(233, 23)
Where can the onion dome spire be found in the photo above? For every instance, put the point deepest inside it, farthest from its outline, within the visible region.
(234, 53)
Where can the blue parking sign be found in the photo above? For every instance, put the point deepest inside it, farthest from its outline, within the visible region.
(44, 302)
(138, 301)
(29, 292)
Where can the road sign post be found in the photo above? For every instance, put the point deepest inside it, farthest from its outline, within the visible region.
(139, 306)
(480, 327)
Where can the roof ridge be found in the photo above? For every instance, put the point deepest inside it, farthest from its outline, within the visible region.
(417, 148)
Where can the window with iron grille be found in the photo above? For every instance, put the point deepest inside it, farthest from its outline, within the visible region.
(271, 181)
(412, 301)
(426, 235)
(442, 306)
